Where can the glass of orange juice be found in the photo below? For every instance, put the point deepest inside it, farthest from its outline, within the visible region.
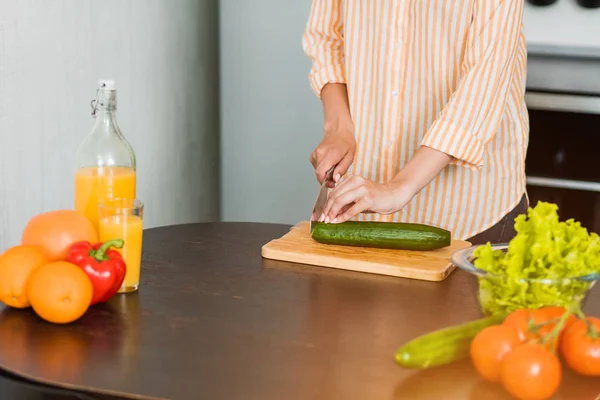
(122, 218)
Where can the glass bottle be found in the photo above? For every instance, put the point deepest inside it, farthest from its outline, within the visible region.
(105, 160)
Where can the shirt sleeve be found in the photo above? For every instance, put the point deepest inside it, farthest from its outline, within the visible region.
(471, 117)
(323, 42)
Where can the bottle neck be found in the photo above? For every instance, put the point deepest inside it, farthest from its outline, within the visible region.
(106, 113)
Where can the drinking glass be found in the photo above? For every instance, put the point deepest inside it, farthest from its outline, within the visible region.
(122, 218)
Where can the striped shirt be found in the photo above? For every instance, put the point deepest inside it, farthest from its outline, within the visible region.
(447, 74)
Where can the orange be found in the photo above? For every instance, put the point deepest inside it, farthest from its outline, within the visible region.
(60, 292)
(16, 266)
(57, 230)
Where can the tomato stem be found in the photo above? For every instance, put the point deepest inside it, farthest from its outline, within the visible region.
(542, 324)
(592, 332)
(533, 327)
(580, 314)
(574, 309)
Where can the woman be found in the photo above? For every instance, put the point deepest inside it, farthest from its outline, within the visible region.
(424, 112)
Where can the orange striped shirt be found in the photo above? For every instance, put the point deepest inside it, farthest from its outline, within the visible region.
(447, 74)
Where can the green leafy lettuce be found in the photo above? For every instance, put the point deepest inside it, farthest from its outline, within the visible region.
(543, 249)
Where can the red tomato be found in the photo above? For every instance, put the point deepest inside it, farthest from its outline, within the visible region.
(580, 346)
(519, 319)
(531, 372)
(550, 316)
(544, 320)
(489, 347)
(553, 313)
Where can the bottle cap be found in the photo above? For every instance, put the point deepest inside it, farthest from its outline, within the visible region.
(106, 83)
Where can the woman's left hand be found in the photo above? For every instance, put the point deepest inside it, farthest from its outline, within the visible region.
(357, 194)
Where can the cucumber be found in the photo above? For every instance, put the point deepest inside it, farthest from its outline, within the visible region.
(443, 346)
(386, 235)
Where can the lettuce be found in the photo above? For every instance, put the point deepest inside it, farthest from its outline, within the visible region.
(543, 249)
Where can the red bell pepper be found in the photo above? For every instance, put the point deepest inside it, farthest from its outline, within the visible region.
(105, 267)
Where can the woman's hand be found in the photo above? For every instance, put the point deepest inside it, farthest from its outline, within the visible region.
(356, 195)
(338, 145)
(336, 149)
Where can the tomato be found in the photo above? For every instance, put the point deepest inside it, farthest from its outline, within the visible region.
(550, 316)
(580, 347)
(553, 313)
(519, 320)
(545, 318)
(531, 372)
(489, 347)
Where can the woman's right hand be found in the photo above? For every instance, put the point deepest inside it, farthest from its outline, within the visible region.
(337, 148)
(338, 145)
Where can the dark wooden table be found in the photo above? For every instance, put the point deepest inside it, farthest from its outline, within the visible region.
(213, 320)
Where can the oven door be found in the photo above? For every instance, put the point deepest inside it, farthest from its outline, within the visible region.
(563, 158)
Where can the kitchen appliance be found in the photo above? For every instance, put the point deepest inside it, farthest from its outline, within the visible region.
(297, 246)
(582, 3)
(563, 99)
(589, 3)
(542, 2)
(562, 159)
(566, 27)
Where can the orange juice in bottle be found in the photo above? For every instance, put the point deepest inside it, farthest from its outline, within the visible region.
(105, 160)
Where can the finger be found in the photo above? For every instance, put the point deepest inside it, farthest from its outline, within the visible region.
(313, 159)
(352, 183)
(360, 206)
(329, 160)
(317, 155)
(340, 189)
(346, 198)
(342, 167)
(345, 208)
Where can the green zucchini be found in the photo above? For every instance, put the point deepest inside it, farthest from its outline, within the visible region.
(443, 346)
(387, 235)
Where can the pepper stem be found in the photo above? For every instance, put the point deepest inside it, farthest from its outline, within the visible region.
(100, 254)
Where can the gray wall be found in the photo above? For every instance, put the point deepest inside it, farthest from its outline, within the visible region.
(271, 120)
(163, 56)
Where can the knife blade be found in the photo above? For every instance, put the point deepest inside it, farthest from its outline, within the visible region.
(319, 205)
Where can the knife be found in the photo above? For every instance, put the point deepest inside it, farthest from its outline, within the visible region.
(319, 205)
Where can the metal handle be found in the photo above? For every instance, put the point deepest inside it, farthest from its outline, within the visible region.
(563, 102)
(563, 184)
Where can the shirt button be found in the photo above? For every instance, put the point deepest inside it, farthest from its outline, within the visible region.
(389, 142)
(399, 45)
(394, 93)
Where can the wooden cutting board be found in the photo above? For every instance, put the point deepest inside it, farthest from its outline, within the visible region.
(297, 246)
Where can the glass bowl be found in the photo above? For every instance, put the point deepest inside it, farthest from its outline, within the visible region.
(500, 294)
